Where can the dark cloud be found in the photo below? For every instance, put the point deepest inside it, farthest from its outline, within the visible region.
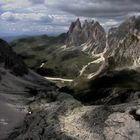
(56, 15)
(119, 2)
(103, 8)
(37, 1)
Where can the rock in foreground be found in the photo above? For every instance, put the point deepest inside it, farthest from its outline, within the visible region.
(67, 119)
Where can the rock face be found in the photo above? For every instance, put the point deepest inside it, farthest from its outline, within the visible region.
(11, 60)
(66, 118)
(124, 42)
(90, 33)
(74, 34)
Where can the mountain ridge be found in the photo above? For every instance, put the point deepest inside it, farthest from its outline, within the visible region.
(18, 87)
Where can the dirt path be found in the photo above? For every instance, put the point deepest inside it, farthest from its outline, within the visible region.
(59, 79)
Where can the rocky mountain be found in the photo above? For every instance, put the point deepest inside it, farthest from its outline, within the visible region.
(82, 44)
(124, 44)
(91, 35)
(119, 66)
(104, 100)
(10, 60)
(85, 50)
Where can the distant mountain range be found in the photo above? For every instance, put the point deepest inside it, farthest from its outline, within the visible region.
(11, 38)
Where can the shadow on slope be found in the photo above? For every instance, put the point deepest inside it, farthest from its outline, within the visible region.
(113, 87)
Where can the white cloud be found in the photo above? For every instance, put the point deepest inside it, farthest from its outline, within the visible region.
(110, 22)
(51, 16)
(133, 13)
(37, 1)
(14, 4)
(9, 16)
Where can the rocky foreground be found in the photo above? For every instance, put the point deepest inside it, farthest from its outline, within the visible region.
(58, 116)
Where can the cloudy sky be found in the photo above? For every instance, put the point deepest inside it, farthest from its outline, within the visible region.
(21, 17)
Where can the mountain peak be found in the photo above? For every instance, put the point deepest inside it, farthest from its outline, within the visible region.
(90, 31)
(78, 22)
(86, 24)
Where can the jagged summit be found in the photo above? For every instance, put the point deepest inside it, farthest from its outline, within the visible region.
(90, 31)
(78, 23)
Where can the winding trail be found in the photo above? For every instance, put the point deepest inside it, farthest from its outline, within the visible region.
(100, 58)
(59, 79)
(97, 61)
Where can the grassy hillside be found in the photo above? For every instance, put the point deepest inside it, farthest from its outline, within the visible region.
(48, 50)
